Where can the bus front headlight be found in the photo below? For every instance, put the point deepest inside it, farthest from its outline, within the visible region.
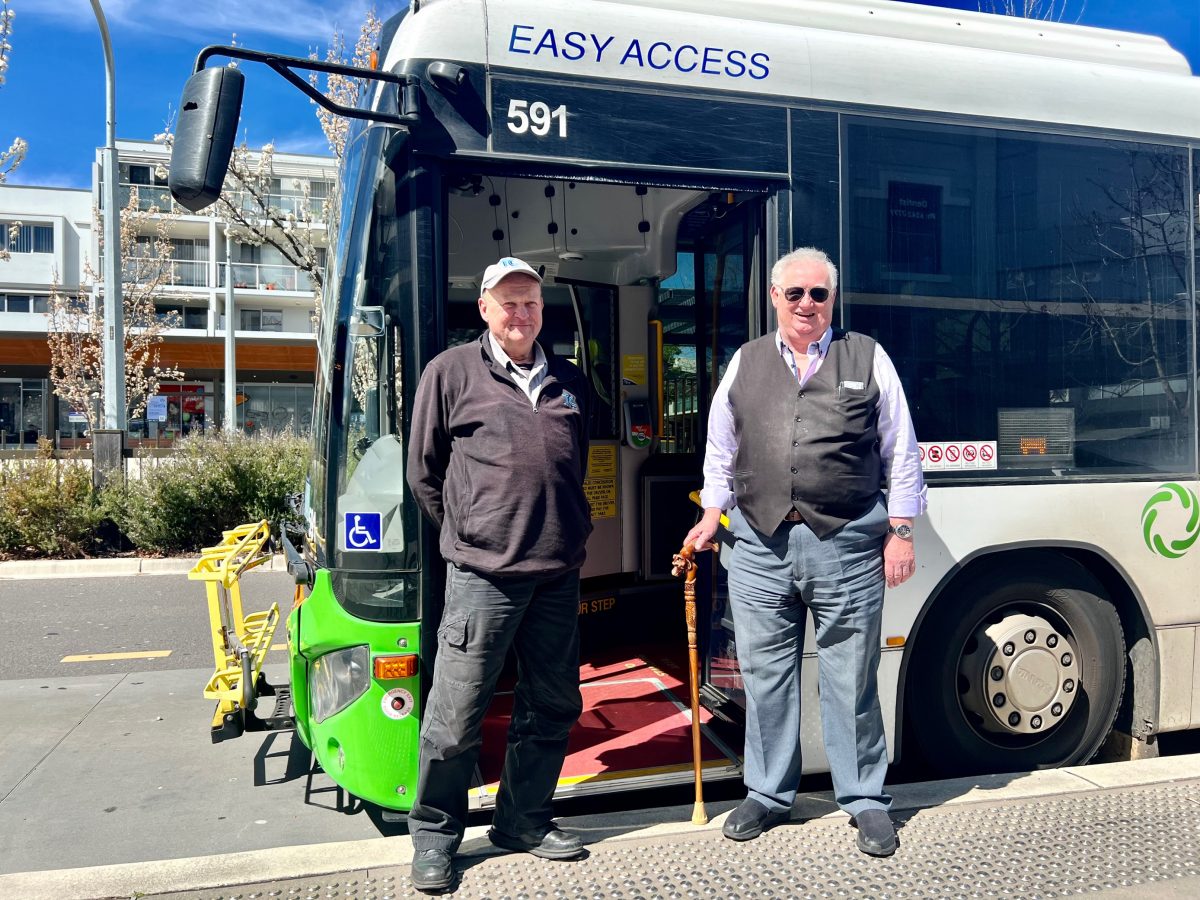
(337, 679)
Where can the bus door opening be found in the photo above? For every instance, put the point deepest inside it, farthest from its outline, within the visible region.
(614, 257)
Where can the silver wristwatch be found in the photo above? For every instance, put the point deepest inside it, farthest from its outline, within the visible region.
(904, 532)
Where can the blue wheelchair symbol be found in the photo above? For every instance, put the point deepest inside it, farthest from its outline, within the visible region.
(364, 531)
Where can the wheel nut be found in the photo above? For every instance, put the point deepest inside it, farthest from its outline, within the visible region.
(997, 673)
(1014, 719)
(1030, 636)
(1035, 722)
(1009, 649)
(999, 700)
(1052, 641)
(1068, 686)
(1056, 709)
(1066, 659)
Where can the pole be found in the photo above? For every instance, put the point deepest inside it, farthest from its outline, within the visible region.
(114, 319)
(230, 350)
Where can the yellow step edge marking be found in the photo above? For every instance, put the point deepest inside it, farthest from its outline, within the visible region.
(99, 657)
(619, 774)
(279, 646)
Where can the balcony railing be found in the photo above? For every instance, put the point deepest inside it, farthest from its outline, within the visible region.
(264, 277)
(285, 203)
(177, 272)
(159, 195)
(150, 195)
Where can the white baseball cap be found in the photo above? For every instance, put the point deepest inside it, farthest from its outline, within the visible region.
(509, 265)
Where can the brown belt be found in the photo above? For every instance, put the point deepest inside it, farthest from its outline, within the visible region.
(793, 516)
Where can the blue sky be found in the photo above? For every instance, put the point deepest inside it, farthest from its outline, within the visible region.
(54, 96)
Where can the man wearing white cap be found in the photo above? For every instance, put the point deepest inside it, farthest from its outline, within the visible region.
(496, 460)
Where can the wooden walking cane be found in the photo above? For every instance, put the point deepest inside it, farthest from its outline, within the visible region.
(685, 561)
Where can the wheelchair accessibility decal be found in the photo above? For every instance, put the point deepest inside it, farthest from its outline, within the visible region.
(363, 530)
(1171, 521)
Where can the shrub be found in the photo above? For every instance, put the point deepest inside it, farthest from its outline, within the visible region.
(48, 508)
(210, 484)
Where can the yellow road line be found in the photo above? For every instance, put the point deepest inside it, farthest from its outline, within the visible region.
(99, 657)
(279, 646)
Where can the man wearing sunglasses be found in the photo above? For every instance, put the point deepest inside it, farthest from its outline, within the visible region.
(805, 427)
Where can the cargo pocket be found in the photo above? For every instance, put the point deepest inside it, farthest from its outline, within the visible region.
(453, 632)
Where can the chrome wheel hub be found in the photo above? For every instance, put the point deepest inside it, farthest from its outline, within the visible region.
(1022, 676)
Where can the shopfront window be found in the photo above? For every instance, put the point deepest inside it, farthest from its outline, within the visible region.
(275, 408)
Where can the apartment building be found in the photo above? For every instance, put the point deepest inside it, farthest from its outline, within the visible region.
(272, 313)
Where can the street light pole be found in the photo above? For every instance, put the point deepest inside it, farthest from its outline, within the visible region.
(108, 443)
(114, 319)
(230, 351)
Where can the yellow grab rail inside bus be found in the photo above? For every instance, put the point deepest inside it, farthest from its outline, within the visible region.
(240, 642)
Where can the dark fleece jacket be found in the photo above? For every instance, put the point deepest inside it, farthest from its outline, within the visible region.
(502, 479)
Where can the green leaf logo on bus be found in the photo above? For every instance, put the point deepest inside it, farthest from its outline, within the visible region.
(1175, 502)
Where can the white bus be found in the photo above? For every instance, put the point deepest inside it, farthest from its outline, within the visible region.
(1011, 204)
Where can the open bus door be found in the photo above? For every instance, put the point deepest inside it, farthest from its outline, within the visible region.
(652, 314)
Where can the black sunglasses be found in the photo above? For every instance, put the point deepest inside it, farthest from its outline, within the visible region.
(796, 294)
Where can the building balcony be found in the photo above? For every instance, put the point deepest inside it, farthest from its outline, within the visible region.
(175, 272)
(158, 195)
(285, 203)
(265, 277)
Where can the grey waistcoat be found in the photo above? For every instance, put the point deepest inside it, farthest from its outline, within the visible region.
(814, 448)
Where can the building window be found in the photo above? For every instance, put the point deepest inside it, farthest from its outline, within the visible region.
(262, 320)
(27, 238)
(38, 303)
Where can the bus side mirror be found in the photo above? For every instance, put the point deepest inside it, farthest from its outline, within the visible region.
(208, 120)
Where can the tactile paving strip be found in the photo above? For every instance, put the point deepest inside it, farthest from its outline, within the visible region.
(1067, 845)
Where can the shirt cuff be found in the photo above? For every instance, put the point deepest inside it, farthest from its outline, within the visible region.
(722, 498)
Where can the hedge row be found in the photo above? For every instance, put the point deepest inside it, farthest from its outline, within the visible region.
(48, 507)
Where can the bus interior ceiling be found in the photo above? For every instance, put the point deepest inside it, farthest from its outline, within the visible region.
(615, 234)
(635, 724)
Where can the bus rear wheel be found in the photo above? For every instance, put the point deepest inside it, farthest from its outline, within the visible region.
(1017, 672)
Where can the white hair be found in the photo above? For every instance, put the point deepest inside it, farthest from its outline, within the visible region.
(805, 254)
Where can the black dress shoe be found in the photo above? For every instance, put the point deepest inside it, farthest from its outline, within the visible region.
(751, 819)
(550, 842)
(876, 834)
(431, 870)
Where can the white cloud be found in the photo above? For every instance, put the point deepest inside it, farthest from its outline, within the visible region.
(301, 142)
(30, 175)
(300, 20)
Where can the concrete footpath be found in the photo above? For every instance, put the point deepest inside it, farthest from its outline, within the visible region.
(1129, 828)
(111, 567)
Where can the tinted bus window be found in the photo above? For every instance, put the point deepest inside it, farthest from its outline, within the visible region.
(1032, 290)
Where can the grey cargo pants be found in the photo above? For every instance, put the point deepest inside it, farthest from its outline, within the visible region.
(483, 617)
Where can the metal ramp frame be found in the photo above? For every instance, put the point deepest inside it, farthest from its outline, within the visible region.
(240, 642)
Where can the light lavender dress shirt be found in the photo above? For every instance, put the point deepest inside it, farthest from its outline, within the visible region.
(897, 439)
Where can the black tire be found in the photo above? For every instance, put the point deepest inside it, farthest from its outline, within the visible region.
(952, 739)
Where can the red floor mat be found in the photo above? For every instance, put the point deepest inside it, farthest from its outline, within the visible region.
(634, 720)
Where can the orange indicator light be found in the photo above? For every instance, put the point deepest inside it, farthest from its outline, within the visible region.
(389, 667)
(897, 641)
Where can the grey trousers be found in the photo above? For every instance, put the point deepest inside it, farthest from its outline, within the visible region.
(483, 617)
(773, 583)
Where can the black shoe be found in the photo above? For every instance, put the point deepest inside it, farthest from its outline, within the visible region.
(550, 842)
(431, 870)
(751, 819)
(876, 834)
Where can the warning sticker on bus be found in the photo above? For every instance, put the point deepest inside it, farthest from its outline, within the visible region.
(945, 456)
